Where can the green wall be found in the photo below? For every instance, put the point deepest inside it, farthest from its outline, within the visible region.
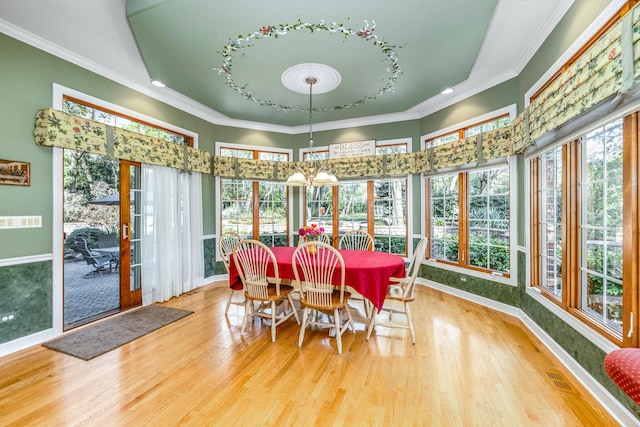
(492, 99)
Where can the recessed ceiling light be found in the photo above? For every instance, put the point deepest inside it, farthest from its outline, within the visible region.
(447, 91)
(158, 83)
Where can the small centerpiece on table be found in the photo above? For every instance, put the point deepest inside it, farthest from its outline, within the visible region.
(311, 233)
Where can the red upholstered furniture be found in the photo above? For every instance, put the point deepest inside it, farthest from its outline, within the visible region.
(623, 366)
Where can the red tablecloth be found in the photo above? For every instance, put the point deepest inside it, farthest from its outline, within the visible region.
(367, 272)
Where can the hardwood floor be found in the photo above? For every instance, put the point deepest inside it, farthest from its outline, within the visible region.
(471, 366)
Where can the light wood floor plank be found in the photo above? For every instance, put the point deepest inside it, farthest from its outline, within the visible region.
(471, 366)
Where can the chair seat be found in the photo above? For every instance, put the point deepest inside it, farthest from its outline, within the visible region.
(271, 292)
(396, 293)
(335, 301)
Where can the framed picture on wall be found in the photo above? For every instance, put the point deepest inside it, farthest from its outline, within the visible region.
(13, 172)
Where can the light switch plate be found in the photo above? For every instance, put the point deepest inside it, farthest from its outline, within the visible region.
(30, 221)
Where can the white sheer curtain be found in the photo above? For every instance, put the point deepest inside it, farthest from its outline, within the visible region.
(172, 253)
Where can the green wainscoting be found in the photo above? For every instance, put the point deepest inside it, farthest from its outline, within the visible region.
(211, 266)
(496, 291)
(27, 294)
(209, 246)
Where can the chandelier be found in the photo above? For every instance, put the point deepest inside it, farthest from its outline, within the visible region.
(315, 174)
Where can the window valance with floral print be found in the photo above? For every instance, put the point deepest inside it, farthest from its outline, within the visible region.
(56, 128)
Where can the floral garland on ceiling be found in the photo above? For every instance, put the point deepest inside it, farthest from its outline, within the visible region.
(367, 34)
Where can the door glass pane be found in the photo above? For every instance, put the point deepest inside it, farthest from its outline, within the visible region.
(135, 232)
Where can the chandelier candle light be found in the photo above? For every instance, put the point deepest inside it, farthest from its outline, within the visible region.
(316, 176)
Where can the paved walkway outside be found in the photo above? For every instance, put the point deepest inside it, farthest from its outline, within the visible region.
(87, 297)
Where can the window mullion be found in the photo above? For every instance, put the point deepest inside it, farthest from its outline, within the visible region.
(463, 219)
(571, 225)
(256, 210)
(535, 195)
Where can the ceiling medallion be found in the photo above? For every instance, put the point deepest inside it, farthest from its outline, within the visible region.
(295, 78)
(280, 30)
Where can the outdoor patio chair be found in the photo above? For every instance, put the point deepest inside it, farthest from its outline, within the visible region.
(98, 262)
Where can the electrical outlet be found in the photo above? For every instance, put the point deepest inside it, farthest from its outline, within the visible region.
(7, 317)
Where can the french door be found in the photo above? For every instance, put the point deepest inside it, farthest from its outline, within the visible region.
(102, 229)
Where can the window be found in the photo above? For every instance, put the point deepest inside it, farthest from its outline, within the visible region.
(389, 215)
(255, 208)
(377, 206)
(583, 217)
(488, 219)
(472, 130)
(115, 119)
(443, 217)
(468, 220)
(319, 200)
(601, 225)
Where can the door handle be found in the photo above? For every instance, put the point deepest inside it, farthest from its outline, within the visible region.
(125, 231)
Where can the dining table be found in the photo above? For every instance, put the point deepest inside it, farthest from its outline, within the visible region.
(367, 272)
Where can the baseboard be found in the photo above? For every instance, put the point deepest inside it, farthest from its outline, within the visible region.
(606, 399)
(24, 342)
(215, 279)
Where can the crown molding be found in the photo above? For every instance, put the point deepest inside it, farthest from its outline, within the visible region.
(562, 7)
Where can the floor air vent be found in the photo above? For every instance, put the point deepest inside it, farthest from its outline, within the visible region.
(560, 382)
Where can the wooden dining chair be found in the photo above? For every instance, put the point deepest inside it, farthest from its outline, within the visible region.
(323, 238)
(253, 260)
(358, 240)
(314, 270)
(401, 292)
(227, 242)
